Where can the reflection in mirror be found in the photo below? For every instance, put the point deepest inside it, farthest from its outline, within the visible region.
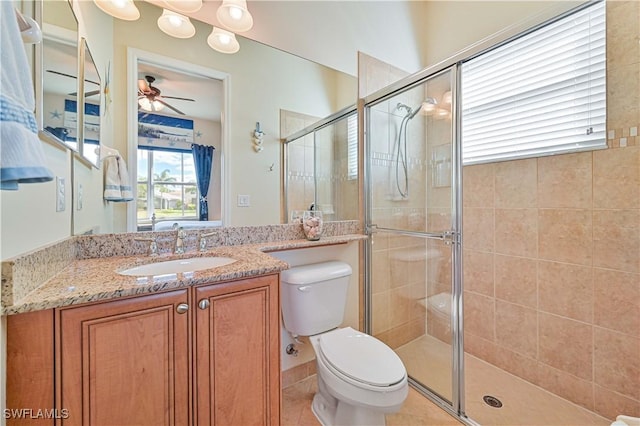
(321, 171)
(58, 108)
(91, 117)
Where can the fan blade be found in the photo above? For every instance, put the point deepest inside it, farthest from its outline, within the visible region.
(143, 86)
(169, 106)
(180, 99)
(92, 82)
(61, 73)
(92, 93)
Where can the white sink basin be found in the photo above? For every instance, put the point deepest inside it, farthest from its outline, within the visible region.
(177, 266)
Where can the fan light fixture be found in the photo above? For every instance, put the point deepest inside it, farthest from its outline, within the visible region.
(121, 9)
(234, 15)
(223, 41)
(184, 6)
(148, 105)
(176, 25)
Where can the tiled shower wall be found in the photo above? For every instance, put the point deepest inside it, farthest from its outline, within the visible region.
(552, 253)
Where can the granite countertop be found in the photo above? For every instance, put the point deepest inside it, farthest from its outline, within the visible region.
(97, 279)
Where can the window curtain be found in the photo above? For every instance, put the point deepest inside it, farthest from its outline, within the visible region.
(203, 159)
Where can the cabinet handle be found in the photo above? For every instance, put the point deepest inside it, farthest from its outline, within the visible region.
(182, 308)
(203, 304)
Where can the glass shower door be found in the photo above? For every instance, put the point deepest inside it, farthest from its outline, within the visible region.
(412, 218)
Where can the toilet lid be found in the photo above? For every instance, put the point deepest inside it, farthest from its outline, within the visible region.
(362, 357)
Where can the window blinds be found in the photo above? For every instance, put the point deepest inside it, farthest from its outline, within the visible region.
(541, 94)
(352, 147)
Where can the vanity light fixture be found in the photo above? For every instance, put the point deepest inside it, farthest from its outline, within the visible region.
(176, 25)
(121, 9)
(234, 15)
(184, 6)
(151, 106)
(446, 97)
(223, 41)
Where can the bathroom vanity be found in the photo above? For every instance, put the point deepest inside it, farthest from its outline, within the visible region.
(93, 345)
(211, 347)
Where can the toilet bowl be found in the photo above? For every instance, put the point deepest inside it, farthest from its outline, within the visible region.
(360, 379)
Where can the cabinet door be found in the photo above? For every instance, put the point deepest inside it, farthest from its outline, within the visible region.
(237, 376)
(126, 362)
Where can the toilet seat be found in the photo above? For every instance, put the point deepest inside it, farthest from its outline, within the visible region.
(361, 358)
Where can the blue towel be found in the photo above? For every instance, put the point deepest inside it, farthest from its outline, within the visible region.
(22, 158)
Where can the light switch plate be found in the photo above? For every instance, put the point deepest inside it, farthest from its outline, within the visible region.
(60, 194)
(244, 200)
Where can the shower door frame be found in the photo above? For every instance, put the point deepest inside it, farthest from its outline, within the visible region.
(453, 236)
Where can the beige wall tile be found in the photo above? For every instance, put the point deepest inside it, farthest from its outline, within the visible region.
(617, 301)
(478, 228)
(479, 315)
(610, 404)
(565, 181)
(481, 348)
(566, 290)
(566, 385)
(517, 328)
(616, 239)
(380, 312)
(399, 305)
(566, 345)
(516, 280)
(516, 363)
(478, 185)
(565, 235)
(622, 106)
(380, 271)
(516, 183)
(616, 361)
(478, 272)
(616, 178)
(516, 232)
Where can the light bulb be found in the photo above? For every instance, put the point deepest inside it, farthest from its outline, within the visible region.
(120, 4)
(235, 13)
(224, 38)
(175, 21)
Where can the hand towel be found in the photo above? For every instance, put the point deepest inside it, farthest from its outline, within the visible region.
(22, 158)
(116, 180)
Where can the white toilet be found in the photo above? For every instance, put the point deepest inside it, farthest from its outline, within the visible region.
(360, 379)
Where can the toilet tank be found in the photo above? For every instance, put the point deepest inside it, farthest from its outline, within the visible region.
(314, 297)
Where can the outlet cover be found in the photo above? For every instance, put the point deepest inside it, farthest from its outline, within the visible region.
(244, 200)
(60, 194)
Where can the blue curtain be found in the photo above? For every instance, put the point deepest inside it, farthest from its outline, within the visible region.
(203, 159)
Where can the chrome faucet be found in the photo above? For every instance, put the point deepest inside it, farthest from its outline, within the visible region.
(179, 248)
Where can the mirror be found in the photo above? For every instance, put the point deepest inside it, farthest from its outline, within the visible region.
(91, 89)
(57, 110)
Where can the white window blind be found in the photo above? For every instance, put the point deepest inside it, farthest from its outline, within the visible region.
(543, 93)
(352, 147)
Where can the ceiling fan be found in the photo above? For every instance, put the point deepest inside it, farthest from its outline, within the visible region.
(87, 94)
(150, 98)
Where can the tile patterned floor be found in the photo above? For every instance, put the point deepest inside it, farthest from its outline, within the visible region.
(417, 410)
(524, 403)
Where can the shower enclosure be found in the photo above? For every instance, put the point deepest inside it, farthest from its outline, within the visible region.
(412, 214)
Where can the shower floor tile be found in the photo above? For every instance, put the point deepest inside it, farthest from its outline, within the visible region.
(428, 360)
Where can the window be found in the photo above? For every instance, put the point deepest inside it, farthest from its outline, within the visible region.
(540, 94)
(166, 185)
(352, 147)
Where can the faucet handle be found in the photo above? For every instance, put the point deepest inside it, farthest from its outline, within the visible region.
(203, 240)
(153, 245)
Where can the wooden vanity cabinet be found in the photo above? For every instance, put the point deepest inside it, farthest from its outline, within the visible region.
(237, 353)
(126, 362)
(207, 355)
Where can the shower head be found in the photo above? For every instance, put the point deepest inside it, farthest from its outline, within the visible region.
(427, 106)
